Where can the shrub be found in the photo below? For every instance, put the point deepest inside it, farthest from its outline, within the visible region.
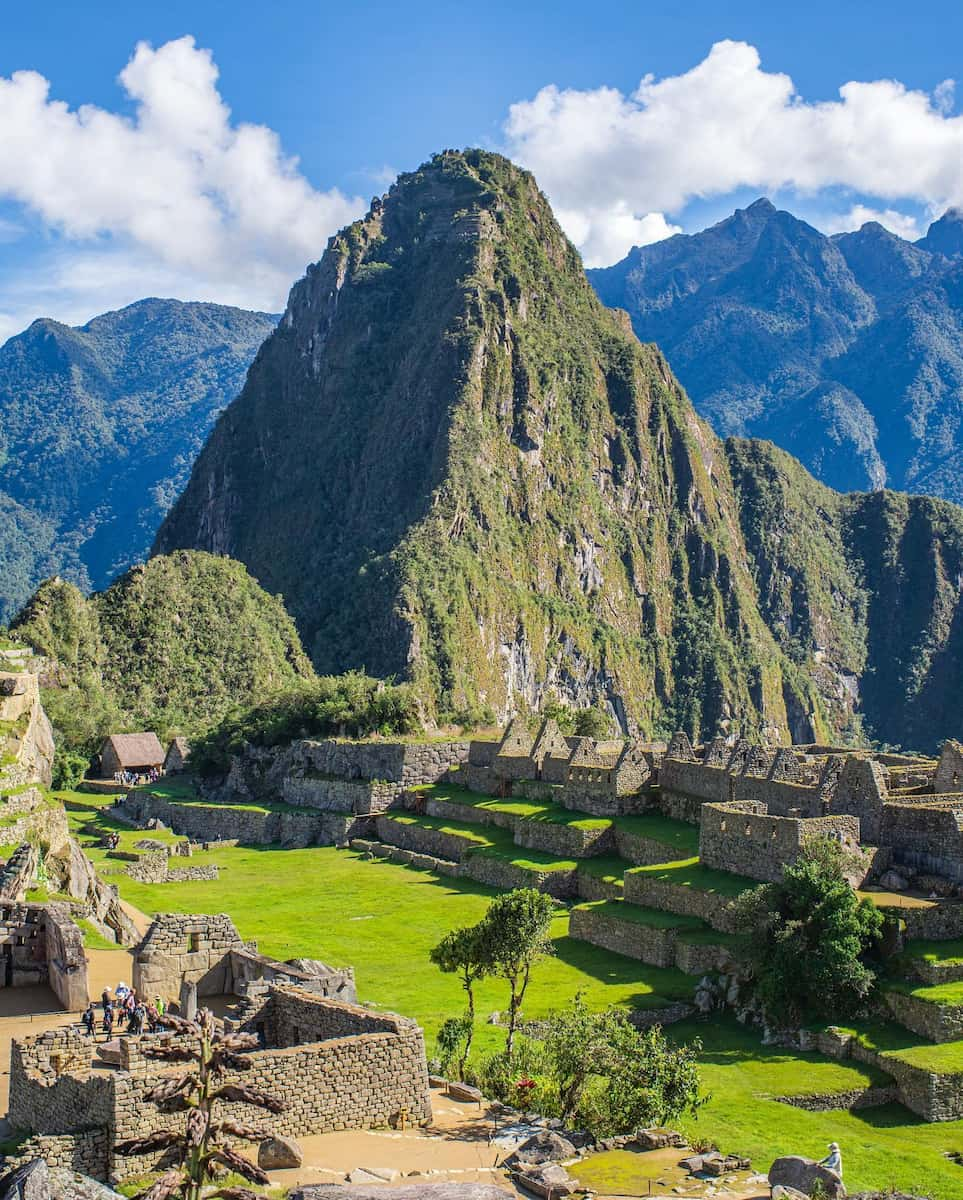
(69, 768)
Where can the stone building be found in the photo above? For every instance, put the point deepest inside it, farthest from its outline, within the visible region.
(177, 756)
(335, 1065)
(137, 752)
(580, 773)
(755, 805)
(198, 955)
(40, 944)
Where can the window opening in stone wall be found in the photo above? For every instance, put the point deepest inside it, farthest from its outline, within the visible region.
(193, 943)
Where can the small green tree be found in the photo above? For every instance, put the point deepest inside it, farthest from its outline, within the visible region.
(559, 712)
(200, 1091)
(515, 935)
(650, 1081)
(454, 1041)
(464, 952)
(638, 1077)
(593, 723)
(810, 937)
(69, 768)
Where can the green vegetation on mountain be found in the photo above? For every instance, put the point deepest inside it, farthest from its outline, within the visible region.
(460, 469)
(861, 590)
(99, 427)
(170, 646)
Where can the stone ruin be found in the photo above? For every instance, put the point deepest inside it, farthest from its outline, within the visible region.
(757, 806)
(580, 773)
(187, 957)
(335, 1064)
(40, 944)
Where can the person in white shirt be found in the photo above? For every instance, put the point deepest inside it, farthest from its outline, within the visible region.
(834, 1159)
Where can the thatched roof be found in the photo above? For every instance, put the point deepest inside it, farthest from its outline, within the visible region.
(136, 749)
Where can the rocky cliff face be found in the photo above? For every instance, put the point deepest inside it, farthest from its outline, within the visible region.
(843, 350)
(861, 590)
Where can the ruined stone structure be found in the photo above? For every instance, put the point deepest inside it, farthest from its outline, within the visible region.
(26, 748)
(208, 953)
(743, 837)
(40, 944)
(177, 756)
(336, 1066)
(755, 807)
(601, 778)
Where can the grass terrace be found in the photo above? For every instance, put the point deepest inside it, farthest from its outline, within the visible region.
(689, 872)
(652, 918)
(487, 840)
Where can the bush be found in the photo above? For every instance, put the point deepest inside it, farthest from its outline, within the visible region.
(350, 705)
(69, 768)
(811, 938)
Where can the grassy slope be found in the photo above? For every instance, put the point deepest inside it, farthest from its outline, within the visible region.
(294, 902)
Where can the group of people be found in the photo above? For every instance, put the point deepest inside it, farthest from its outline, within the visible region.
(133, 778)
(124, 1007)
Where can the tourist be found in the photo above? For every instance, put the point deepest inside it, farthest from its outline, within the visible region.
(90, 1019)
(105, 998)
(109, 1021)
(151, 1018)
(833, 1160)
(159, 1005)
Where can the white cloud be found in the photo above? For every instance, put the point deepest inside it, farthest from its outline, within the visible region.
(890, 218)
(177, 196)
(724, 125)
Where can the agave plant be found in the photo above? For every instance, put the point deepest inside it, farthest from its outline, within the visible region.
(200, 1091)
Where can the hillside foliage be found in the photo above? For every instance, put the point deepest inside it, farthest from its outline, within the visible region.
(170, 647)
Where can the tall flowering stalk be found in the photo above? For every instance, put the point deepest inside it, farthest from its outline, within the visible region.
(198, 1090)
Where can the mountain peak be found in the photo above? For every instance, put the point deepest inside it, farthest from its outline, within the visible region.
(945, 236)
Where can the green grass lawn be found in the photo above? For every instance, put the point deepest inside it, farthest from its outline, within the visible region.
(383, 919)
(652, 918)
(682, 837)
(949, 952)
(892, 1040)
(949, 994)
(488, 840)
(531, 810)
(882, 1147)
(689, 872)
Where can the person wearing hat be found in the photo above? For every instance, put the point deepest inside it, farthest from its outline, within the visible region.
(833, 1160)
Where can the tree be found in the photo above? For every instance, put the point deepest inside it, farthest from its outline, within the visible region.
(592, 722)
(454, 1042)
(639, 1077)
(651, 1080)
(199, 1090)
(811, 935)
(69, 769)
(515, 934)
(464, 952)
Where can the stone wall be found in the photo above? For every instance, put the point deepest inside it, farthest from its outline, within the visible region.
(154, 867)
(86, 1152)
(938, 921)
(563, 841)
(423, 840)
(649, 891)
(630, 938)
(928, 836)
(936, 1022)
(219, 822)
(642, 851)
(740, 838)
(498, 873)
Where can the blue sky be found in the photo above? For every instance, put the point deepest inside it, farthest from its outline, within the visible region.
(157, 187)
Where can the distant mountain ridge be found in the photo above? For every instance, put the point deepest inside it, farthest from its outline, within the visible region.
(99, 428)
(847, 351)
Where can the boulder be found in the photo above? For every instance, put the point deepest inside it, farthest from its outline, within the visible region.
(373, 1175)
(68, 1185)
(542, 1147)
(465, 1093)
(892, 881)
(279, 1154)
(109, 1052)
(786, 1193)
(803, 1174)
(549, 1180)
(29, 1182)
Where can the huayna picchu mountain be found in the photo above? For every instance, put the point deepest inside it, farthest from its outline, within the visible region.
(847, 351)
(458, 467)
(99, 428)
